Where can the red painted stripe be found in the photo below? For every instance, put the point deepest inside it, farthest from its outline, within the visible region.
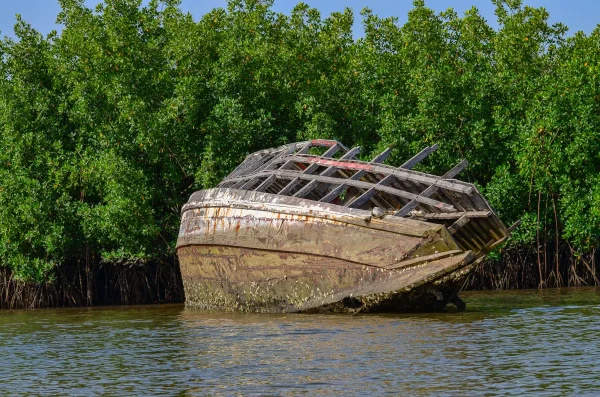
(323, 142)
(336, 163)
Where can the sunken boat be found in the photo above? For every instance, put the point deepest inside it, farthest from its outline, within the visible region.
(307, 227)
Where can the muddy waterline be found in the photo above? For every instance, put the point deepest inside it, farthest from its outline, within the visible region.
(506, 343)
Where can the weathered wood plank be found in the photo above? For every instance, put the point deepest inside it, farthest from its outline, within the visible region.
(456, 215)
(359, 184)
(306, 189)
(366, 196)
(288, 188)
(363, 198)
(244, 199)
(419, 157)
(288, 163)
(432, 189)
(408, 175)
(361, 173)
(310, 169)
(428, 258)
(266, 183)
(251, 183)
(270, 163)
(463, 220)
(381, 157)
(334, 193)
(351, 154)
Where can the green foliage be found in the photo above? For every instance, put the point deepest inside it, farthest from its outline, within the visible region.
(107, 127)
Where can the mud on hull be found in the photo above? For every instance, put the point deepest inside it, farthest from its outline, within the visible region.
(241, 279)
(308, 227)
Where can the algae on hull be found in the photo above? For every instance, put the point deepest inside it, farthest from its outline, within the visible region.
(291, 231)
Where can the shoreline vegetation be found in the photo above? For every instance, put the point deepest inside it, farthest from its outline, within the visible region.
(108, 126)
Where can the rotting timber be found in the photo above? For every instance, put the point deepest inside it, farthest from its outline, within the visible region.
(293, 231)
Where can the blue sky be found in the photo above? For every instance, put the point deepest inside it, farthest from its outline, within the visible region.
(576, 14)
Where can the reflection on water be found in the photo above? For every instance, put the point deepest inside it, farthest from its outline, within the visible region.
(506, 343)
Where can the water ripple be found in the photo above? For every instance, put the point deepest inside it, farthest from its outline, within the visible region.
(511, 343)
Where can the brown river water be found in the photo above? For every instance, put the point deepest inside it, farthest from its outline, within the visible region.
(506, 343)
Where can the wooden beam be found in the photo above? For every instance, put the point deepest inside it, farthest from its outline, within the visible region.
(334, 193)
(351, 154)
(401, 174)
(266, 183)
(431, 190)
(304, 149)
(287, 164)
(366, 196)
(284, 174)
(514, 226)
(328, 154)
(381, 157)
(363, 198)
(421, 259)
(283, 153)
(288, 188)
(306, 189)
(463, 220)
(419, 157)
(310, 169)
(456, 215)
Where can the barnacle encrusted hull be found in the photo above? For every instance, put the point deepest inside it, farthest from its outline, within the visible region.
(291, 231)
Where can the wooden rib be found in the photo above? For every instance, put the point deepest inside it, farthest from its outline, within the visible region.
(351, 154)
(363, 198)
(328, 154)
(288, 188)
(356, 176)
(432, 189)
(287, 164)
(421, 259)
(381, 157)
(460, 222)
(266, 183)
(306, 189)
(514, 226)
(304, 149)
(366, 196)
(399, 173)
(456, 215)
(476, 233)
(250, 183)
(334, 193)
(283, 153)
(358, 184)
(239, 184)
(419, 157)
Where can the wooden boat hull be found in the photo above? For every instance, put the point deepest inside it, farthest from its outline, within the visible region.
(253, 251)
